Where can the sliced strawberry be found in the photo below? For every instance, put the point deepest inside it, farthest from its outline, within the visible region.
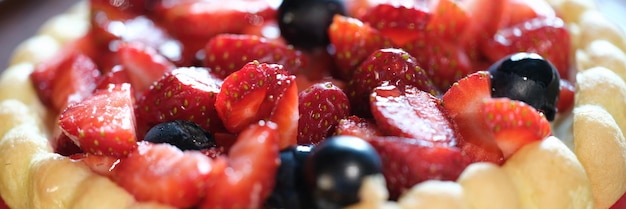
(353, 41)
(3, 205)
(321, 106)
(252, 166)
(319, 66)
(260, 91)
(143, 64)
(475, 153)
(101, 164)
(484, 17)
(116, 76)
(399, 22)
(411, 113)
(547, 37)
(206, 19)
(518, 11)
(356, 126)
(463, 103)
(286, 113)
(65, 146)
(214, 152)
(126, 6)
(407, 162)
(448, 19)
(358, 8)
(445, 62)
(183, 94)
(227, 53)
(268, 30)
(164, 174)
(566, 96)
(59, 84)
(394, 66)
(104, 16)
(103, 124)
(225, 140)
(620, 204)
(113, 22)
(513, 124)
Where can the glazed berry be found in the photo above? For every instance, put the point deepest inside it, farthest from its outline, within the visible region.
(183, 134)
(304, 23)
(527, 77)
(336, 168)
(289, 192)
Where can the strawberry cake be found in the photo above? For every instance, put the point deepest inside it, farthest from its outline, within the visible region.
(317, 104)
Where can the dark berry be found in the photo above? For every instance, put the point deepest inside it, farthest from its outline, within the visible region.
(304, 23)
(527, 77)
(336, 168)
(183, 134)
(289, 191)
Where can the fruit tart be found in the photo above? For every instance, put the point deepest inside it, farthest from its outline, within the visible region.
(317, 104)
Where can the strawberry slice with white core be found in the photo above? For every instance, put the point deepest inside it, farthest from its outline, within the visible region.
(463, 103)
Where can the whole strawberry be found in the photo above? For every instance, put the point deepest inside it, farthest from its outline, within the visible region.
(227, 53)
(394, 66)
(321, 106)
(184, 94)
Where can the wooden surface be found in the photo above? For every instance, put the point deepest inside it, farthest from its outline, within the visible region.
(20, 19)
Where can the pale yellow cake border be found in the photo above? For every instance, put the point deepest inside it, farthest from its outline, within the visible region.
(586, 169)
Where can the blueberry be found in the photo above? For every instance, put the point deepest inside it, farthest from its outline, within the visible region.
(183, 134)
(304, 23)
(289, 191)
(527, 77)
(336, 168)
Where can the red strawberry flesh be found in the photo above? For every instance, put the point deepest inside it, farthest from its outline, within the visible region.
(163, 173)
(184, 94)
(411, 113)
(407, 162)
(321, 106)
(103, 124)
(252, 166)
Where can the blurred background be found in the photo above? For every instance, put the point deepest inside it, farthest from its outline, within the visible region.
(20, 19)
